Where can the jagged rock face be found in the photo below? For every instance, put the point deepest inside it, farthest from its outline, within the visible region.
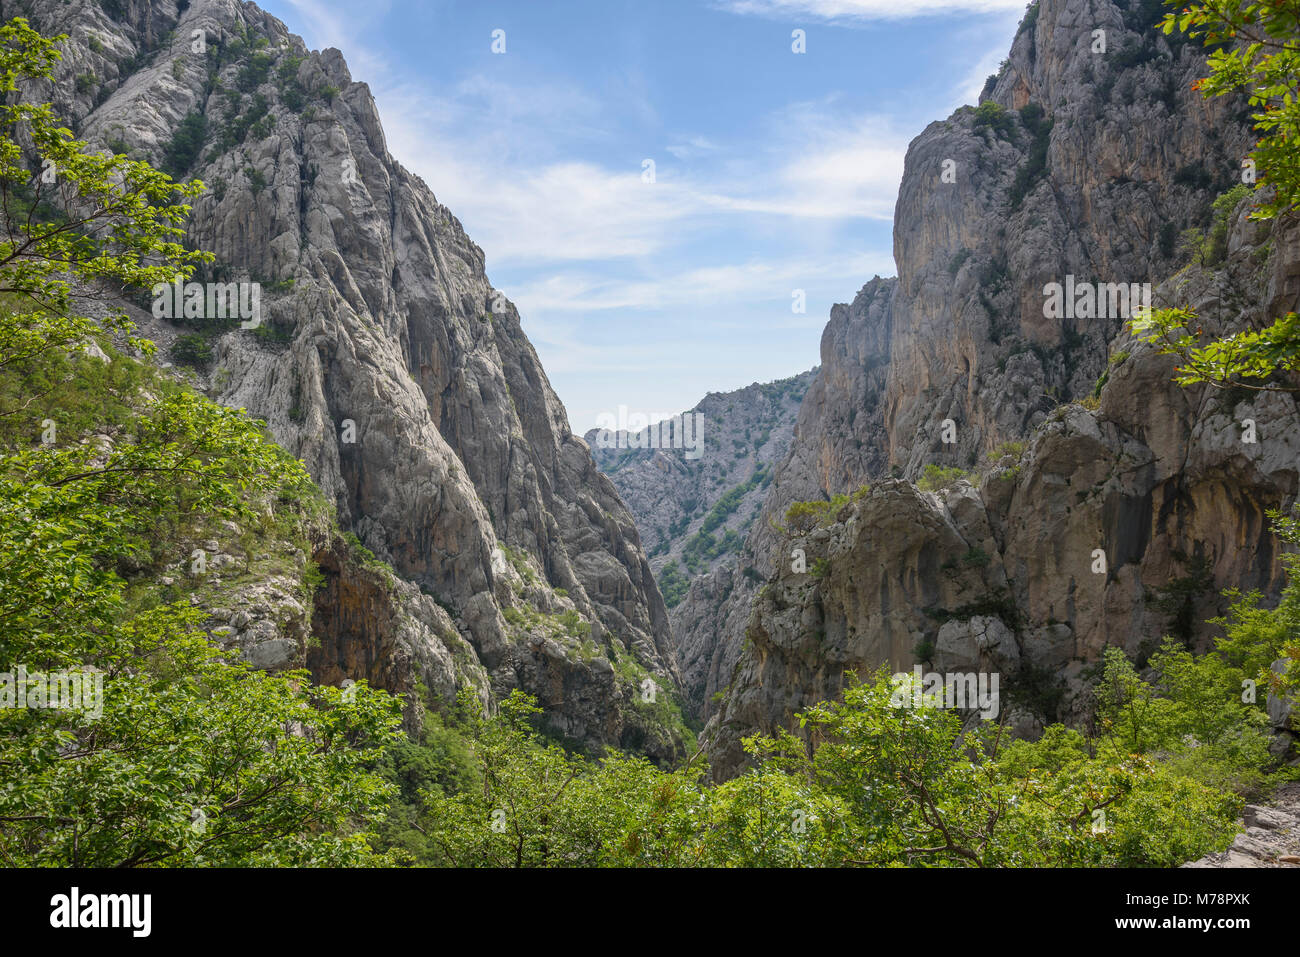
(1159, 481)
(368, 625)
(1131, 158)
(1158, 477)
(838, 436)
(671, 490)
(389, 365)
(872, 582)
(689, 510)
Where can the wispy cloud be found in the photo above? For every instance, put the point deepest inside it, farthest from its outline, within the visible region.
(738, 283)
(865, 9)
(692, 147)
(815, 165)
(323, 24)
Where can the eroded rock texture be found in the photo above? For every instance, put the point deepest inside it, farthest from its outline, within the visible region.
(1078, 444)
(386, 362)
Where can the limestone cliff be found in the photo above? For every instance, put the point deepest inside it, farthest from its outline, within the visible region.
(388, 364)
(695, 501)
(1077, 163)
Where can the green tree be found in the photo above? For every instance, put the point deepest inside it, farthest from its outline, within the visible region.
(1255, 48)
(193, 758)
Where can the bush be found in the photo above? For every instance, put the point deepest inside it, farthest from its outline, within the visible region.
(1215, 248)
(1013, 449)
(254, 73)
(186, 144)
(991, 116)
(192, 349)
(673, 584)
(936, 477)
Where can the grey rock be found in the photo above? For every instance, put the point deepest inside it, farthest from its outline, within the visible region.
(381, 324)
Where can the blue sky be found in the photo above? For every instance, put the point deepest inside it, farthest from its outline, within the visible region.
(773, 171)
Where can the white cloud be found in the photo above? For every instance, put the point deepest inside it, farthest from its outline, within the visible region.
(489, 150)
(692, 147)
(526, 209)
(830, 167)
(576, 292)
(865, 9)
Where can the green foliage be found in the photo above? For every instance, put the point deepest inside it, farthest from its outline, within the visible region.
(704, 547)
(1211, 249)
(1030, 19)
(106, 468)
(1190, 712)
(880, 784)
(112, 197)
(186, 144)
(1255, 48)
(1256, 637)
(192, 349)
(673, 584)
(254, 72)
(1014, 449)
(802, 517)
(256, 120)
(992, 116)
(936, 477)
(730, 501)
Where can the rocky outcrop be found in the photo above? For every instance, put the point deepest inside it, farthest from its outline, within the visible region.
(1102, 504)
(370, 625)
(1116, 525)
(1270, 835)
(838, 437)
(1087, 157)
(384, 359)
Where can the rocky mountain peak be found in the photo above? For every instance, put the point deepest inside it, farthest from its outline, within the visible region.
(384, 359)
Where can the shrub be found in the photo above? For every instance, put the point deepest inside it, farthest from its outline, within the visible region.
(186, 143)
(191, 349)
(673, 584)
(936, 477)
(991, 116)
(1013, 449)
